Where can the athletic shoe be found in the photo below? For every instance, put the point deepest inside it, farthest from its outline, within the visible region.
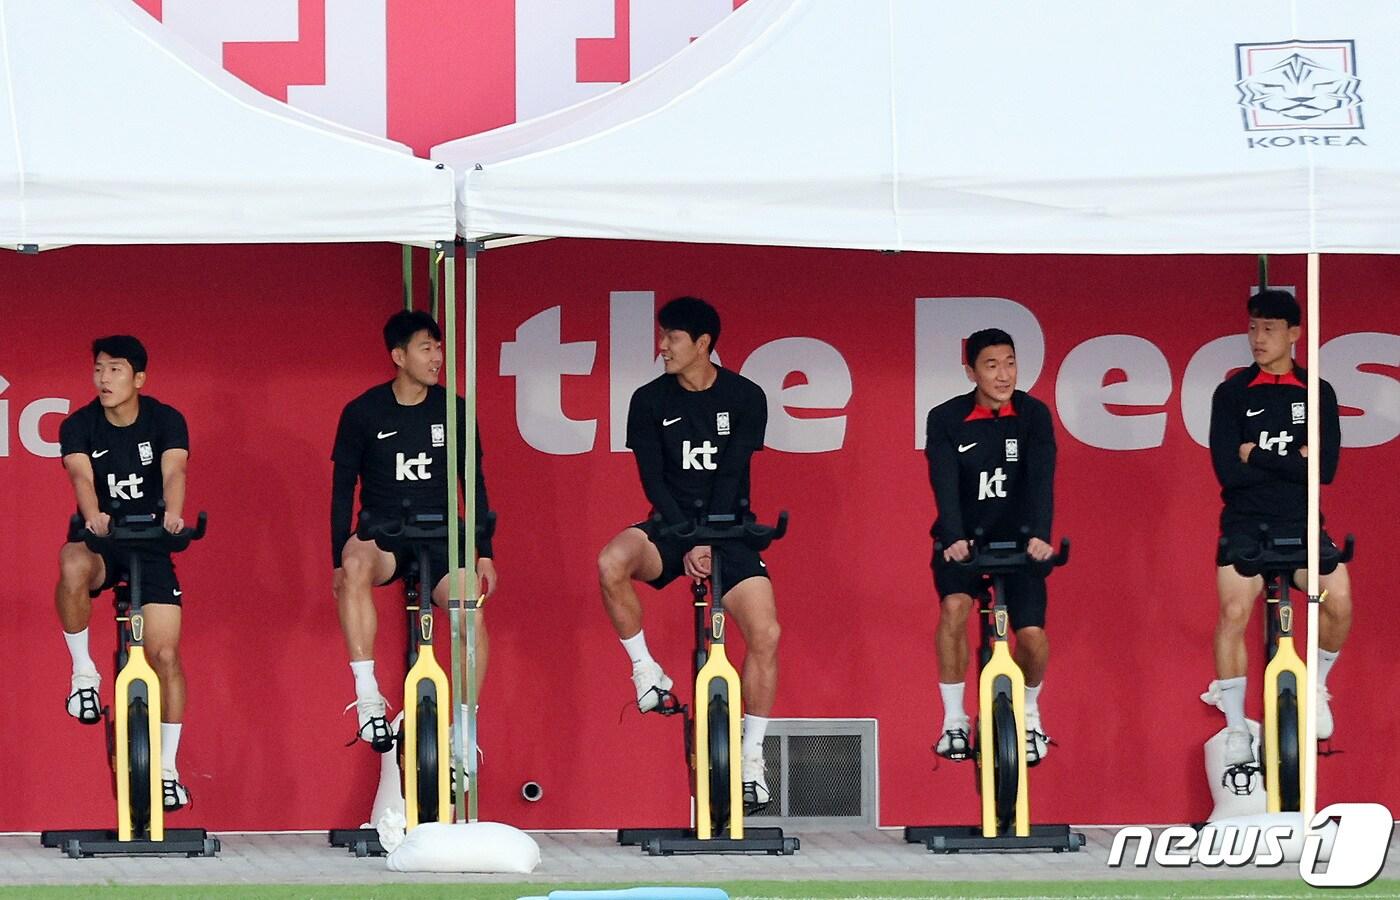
(1239, 748)
(174, 795)
(374, 726)
(83, 703)
(653, 687)
(1324, 714)
(1037, 741)
(954, 743)
(755, 779)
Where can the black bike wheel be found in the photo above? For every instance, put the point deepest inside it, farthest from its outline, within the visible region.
(719, 764)
(1005, 748)
(138, 764)
(1289, 777)
(427, 760)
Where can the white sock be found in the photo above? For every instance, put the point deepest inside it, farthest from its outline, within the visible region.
(953, 711)
(1232, 699)
(755, 727)
(1325, 659)
(636, 647)
(169, 744)
(366, 685)
(78, 649)
(1033, 704)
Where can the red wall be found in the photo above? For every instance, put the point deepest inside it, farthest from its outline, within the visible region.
(261, 346)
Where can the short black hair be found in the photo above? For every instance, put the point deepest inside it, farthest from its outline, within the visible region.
(404, 324)
(1272, 303)
(691, 315)
(121, 346)
(981, 340)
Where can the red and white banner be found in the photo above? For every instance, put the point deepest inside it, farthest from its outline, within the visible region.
(427, 71)
(261, 347)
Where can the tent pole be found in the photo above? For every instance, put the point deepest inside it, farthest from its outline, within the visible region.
(454, 557)
(408, 277)
(473, 601)
(433, 284)
(1314, 535)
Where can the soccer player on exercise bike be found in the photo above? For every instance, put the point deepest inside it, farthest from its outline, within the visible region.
(991, 461)
(693, 431)
(392, 439)
(1258, 435)
(125, 454)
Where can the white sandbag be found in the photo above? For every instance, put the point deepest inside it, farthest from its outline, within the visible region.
(1291, 846)
(1227, 802)
(389, 797)
(466, 847)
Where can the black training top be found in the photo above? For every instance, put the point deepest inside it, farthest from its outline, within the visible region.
(696, 445)
(991, 469)
(1270, 411)
(397, 453)
(126, 460)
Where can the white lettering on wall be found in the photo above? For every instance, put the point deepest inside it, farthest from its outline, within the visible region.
(538, 360)
(827, 385)
(1082, 399)
(31, 420)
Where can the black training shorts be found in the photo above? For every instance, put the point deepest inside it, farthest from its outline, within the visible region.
(1025, 594)
(737, 562)
(158, 581)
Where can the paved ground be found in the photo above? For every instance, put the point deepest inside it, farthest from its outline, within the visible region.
(592, 857)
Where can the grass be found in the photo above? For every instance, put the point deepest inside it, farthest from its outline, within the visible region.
(748, 890)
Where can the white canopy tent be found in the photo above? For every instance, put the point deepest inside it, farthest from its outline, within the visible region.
(112, 131)
(1264, 126)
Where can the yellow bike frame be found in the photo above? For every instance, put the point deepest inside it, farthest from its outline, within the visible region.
(1285, 661)
(425, 669)
(1001, 665)
(717, 668)
(137, 669)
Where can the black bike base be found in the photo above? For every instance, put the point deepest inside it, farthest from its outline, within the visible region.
(359, 841)
(79, 843)
(959, 838)
(666, 841)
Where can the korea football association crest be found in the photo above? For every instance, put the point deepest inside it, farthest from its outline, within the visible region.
(1013, 451)
(1300, 413)
(147, 456)
(722, 423)
(439, 433)
(1292, 85)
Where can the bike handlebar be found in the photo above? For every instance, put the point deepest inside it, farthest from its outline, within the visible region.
(1007, 557)
(412, 527)
(1287, 555)
(133, 531)
(720, 529)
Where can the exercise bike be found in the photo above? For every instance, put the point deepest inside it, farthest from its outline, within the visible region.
(1285, 675)
(999, 747)
(133, 723)
(712, 731)
(422, 739)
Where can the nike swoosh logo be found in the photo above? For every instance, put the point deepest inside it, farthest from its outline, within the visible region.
(176, 593)
(384, 434)
(963, 448)
(665, 423)
(97, 453)
(1253, 412)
